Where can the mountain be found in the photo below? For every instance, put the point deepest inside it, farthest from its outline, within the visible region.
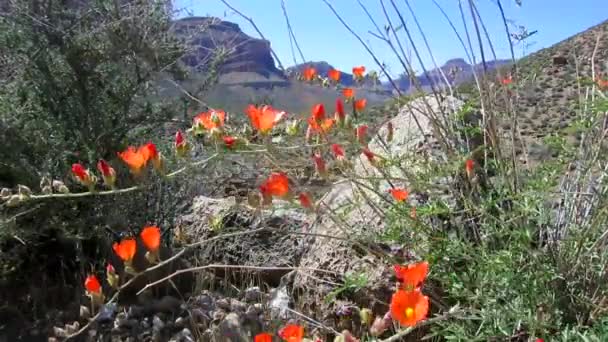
(457, 71)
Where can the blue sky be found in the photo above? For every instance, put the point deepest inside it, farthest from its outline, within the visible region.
(322, 37)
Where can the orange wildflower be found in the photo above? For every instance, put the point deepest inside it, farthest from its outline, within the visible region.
(359, 71)
(292, 333)
(136, 159)
(150, 236)
(409, 307)
(602, 83)
(334, 74)
(125, 249)
(263, 337)
(305, 200)
(277, 185)
(469, 165)
(264, 118)
(412, 275)
(360, 104)
(92, 285)
(309, 73)
(151, 153)
(210, 120)
(348, 92)
(507, 80)
(400, 195)
(320, 127)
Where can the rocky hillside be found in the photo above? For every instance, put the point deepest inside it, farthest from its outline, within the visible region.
(550, 79)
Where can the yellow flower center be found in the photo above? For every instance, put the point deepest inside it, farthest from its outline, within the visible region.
(409, 312)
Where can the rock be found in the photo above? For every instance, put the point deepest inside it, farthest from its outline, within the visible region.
(180, 322)
(237, 306)
(560, 60)
(231, 328)
(223, 304)
(106, 313)
(279, 303)
(85, 313)
(266, 248)
(205, 35)
(199, 316)
(205, 302)
(253, 294)
(157, 324)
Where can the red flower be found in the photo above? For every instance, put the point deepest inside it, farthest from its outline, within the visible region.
(263, 337)
(338, 151)
(92, 285)
(360, 104)
(264, 118)
(210, 120)
(400, 195)
(409, 307)
(411, 276)
(361, 134)
(125, 249)
(340, 114)
(309, 73)
(292, 333)
(150, 236)
(276, 185)
(319, 165)
(305, 200)
(469, 165)
(318, 112)
(334, 74)
(358, 71)
(229, 141)
(348, 92)
(110, 269)
(80, 173)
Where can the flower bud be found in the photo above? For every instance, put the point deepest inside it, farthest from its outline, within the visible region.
(320, 165)
(390, 131)
(366, 316)
(111, 276)
(47, 190)
(181, 145)
(107, 173)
